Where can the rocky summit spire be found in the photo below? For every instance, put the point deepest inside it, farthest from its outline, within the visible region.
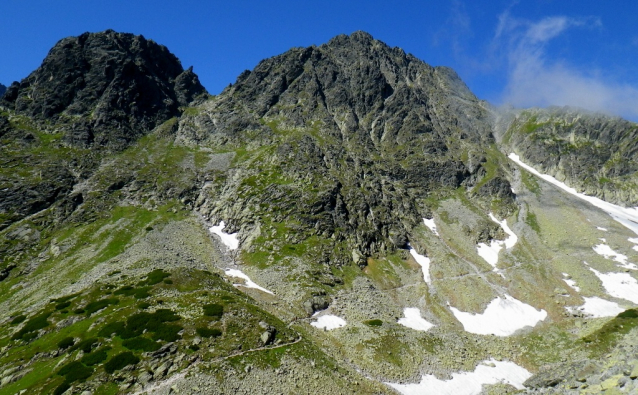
(105, 88)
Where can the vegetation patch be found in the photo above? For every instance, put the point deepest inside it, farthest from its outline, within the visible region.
(156, 277)
(120, 361)
(214, 310)
(373, 322)
(141, 343)
(208, 332)
(95, 357)
(66, 343)
(99, 305)
(605, 338)
(18, 319)
(75, 371)
(85, 345)
(34, 324)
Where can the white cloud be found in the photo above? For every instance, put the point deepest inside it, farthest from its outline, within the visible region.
(536, 80)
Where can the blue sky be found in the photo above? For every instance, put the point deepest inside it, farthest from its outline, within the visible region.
(528, 52)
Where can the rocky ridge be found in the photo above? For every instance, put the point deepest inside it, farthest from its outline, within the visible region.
(594, 153)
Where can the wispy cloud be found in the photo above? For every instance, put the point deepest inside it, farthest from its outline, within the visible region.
(536, 80)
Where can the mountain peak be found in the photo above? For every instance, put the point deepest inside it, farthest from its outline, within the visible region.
(106, 87)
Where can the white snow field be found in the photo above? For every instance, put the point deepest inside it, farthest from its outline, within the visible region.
(468, 383)
(619, 285)
(249, 282)
(431, 225)
(635, 241)
(626, 216)
(413, 320)
(512, 239)
(230, 240)
(597, 308)
(423, 261)
(603, 229)
(329, 322)
(490, 252)
(571, 282)
(502, 317)
(608, 253)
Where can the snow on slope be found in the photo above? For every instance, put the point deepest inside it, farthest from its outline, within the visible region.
(413, 320)
(619, 285)
(626, 216)
(608, 253)
(597, 307)
(230, 240)
(249, 283)
(431, 225)
(502, 317)
(422, 260)
(329, 322)
(468, 383)
(490, 252)
(571, 282)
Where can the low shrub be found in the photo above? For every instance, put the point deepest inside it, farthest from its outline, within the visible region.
(373, 322)
(95, 357)
(141, 343)
(111, 328)
(34, 324)
(62, 388)
(99, 305)
(75, 371)
(208, 332)
(85, 345)
(169, 333)
(213, 310)
(156, 276)
(120, 361)
(66, 343)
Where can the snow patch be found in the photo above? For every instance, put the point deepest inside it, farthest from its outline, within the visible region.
(413, 320)
(423, 261)
(603, 229)
(597, 307)
(512, 239)
(626, 216)
(490, 252)
(570, 282)
(635, 241)
(329, 322)
(608, 253)
(502, 317)
(619, 285)
(468, 383)
(430, 224)
(248, 282)
(230, 240)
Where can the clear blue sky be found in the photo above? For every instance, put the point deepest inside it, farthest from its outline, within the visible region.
(530, 52)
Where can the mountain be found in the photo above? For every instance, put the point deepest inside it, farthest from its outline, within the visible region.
(344, 218)
(105, 89)
(2, 89)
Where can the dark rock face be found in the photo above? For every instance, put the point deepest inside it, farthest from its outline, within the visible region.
(105, 89)
(93, 94)
(594, 153)
(2, 89)
(367, 132)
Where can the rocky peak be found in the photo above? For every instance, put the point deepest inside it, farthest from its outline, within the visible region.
(2, 89)
(105, 88)
(372, 127)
